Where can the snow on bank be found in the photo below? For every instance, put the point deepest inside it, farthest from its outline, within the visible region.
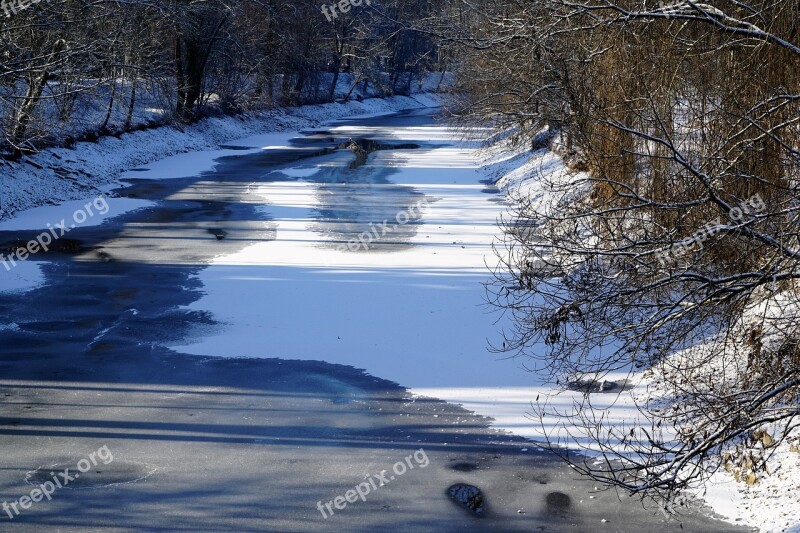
(38, 218)
(772, 505)
(25, 276)
(90, 170)
(80, 172)
(17, 275)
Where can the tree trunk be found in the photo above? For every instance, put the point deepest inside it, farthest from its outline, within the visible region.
(337, 62)
(36, 84)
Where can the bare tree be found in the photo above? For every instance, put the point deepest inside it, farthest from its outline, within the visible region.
(676, 222)
(76, 70)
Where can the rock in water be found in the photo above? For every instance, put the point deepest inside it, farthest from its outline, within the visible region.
(467, 496)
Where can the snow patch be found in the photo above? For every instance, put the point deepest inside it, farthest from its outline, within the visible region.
(27, 275)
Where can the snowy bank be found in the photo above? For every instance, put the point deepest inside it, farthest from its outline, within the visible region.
(54, 184)
(771, 504)
(59, 174)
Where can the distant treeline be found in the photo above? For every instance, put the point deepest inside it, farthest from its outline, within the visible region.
(105, 66)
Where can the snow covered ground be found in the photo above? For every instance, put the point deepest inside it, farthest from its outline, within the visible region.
(38, 217)
(773, 504)
(74, 176)
(25, 276)
(82, 171)
(18, 275)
